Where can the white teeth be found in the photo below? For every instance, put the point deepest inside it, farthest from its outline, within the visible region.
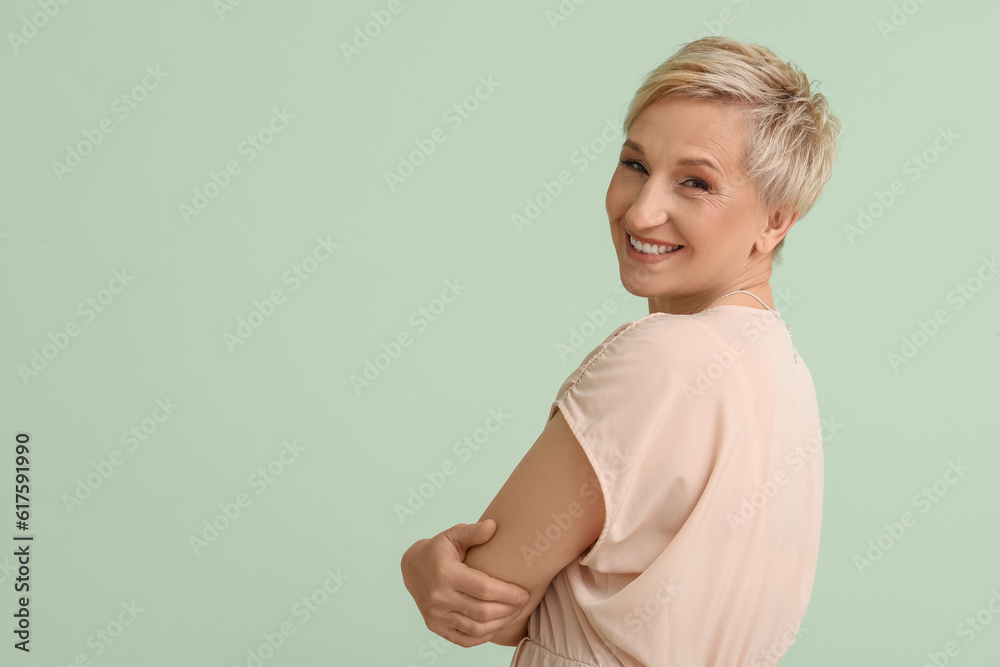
(651, 250)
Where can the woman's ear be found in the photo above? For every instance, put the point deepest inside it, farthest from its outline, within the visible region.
(779, 223)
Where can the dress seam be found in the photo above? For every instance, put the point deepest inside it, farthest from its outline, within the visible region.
(564, 657)
(589, 450)
(602, 350)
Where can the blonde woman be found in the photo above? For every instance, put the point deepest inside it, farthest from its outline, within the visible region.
(669, 512)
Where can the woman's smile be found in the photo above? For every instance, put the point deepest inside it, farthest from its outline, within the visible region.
(649, 257)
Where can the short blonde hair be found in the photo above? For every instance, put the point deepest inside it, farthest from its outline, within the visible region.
(792, 134)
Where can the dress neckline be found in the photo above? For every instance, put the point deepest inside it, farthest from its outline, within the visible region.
(725, 305)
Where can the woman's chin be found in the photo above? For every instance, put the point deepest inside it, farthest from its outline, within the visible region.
(636, 286)
(637, 275)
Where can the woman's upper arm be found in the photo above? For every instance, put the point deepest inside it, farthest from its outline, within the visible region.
(546, 515)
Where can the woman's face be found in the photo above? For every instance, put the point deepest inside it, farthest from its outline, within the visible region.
(680, 182)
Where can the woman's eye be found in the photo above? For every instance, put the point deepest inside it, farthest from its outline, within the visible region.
(632, 164)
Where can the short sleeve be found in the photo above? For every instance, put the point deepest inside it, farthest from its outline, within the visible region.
(689, 422)
(627, 408)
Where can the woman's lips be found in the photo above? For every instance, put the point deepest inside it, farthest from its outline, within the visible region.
(648, 258)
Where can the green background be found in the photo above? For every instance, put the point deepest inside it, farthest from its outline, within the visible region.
(495, 346)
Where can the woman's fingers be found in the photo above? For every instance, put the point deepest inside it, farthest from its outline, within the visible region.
(506, 598)
(481, 611)
(464, 536)
(460, 638)
(472, 632)
(461, 604)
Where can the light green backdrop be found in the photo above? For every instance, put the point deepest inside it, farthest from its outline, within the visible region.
(218, 149)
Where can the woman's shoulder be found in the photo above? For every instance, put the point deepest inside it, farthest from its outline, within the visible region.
(664, 341)
(705, 329)
(658, 340)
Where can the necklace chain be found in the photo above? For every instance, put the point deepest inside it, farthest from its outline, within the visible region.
(776, 314)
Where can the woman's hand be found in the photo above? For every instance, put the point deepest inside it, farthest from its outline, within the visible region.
(465, 606)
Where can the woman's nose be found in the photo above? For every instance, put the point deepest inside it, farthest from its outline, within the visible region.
(648, 210)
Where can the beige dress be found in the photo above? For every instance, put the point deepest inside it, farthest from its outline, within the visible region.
(705, 434)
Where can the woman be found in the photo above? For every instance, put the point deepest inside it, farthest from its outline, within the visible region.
(669, 512)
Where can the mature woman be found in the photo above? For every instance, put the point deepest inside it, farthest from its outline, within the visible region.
(669, 512)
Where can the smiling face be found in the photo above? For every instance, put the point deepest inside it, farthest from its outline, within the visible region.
(680, 181)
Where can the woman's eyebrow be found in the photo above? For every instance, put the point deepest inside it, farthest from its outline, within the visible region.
(698, 162)
(684, 162)
(634, 146)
